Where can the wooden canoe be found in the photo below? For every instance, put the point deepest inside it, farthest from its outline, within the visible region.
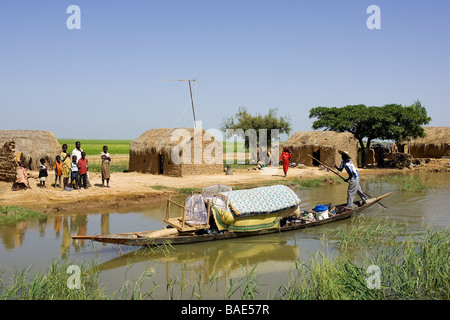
(172, 236)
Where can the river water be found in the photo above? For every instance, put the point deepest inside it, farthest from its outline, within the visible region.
(205, 270)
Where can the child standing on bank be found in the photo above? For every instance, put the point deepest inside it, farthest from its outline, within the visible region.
(42, 173)
(58, 170)
(82, 167)
(75, 178)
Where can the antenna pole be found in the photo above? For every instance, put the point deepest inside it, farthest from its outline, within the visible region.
(192, 102)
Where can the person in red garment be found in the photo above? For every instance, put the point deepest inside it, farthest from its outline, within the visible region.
(285, 156)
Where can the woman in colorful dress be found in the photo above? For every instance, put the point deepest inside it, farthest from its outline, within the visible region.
(285, 156)
(66, 165)
(106, 159)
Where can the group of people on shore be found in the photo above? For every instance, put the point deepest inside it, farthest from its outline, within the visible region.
(72, 169)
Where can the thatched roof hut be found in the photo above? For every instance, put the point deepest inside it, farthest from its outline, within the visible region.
(435, 144)
(176, 152)
(34, 144)
(322, 145)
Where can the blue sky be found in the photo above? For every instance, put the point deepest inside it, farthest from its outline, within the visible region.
(99, 82)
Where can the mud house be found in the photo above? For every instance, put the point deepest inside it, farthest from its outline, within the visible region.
(34, 144)
(435, 144)
(176, 152)
(322, 145)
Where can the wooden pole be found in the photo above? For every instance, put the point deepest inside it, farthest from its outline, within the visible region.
(192, 102)
(168, 208)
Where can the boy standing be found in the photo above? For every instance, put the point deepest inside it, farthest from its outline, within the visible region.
(82, 166)
(75, 176)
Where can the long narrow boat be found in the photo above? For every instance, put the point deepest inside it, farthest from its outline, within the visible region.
(180, 231)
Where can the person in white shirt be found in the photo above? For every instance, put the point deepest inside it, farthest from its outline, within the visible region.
(75, 177)
(353, 179)
(77, 152)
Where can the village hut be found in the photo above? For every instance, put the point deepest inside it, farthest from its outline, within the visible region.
(435, 144)
(176, 152)
(34, 144)
(322, 145)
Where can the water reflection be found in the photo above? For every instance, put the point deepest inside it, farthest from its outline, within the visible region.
(221, 260)
(12, 236)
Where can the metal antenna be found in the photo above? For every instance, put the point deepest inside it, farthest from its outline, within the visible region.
(190, 91)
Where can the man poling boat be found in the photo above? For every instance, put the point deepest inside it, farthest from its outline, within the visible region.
(353, 179)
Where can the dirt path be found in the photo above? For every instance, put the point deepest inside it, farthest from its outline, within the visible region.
(133, 188)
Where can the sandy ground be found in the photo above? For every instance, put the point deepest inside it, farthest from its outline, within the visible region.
(131, 188)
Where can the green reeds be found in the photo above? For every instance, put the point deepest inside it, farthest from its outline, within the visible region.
(411, 266)
(52, 285)
(403, 182)
(14, 214)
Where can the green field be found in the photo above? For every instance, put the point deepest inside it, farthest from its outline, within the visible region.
(95, 146)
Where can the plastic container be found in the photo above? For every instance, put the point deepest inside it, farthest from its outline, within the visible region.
(321, 212)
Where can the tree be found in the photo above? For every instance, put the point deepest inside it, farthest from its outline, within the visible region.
(389, 122)
(243, 121)
(256, 130)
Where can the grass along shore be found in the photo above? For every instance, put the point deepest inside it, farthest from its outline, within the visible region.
(410, 267)
(15, 214)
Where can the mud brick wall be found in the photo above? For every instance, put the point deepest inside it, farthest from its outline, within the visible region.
(7, 162)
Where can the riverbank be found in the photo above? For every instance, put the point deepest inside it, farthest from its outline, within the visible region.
(389, 269)
(134, 189)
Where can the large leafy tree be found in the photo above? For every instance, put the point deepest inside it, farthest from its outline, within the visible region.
(389, 122)
(242, 121)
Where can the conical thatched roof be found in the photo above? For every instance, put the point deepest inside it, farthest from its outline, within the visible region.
(321, 138)
(156, 140)
(34, 144)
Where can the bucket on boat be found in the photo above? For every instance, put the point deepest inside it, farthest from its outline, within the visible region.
(321, 212)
